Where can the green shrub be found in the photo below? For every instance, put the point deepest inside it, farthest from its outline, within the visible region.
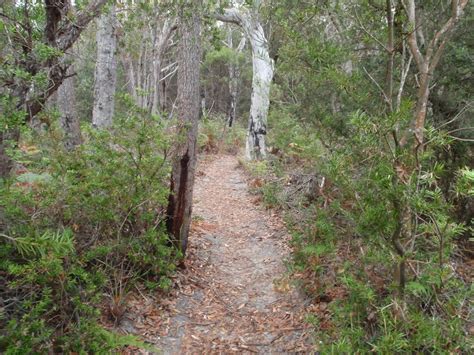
(81, 228)
(215, 137)
(342, 238)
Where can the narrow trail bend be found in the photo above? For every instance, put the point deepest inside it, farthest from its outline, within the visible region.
(232, 296)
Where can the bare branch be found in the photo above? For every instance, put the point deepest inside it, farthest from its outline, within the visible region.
(409, 6)
(387, 100)
(405, 70)
(458, 115)
(369, 33)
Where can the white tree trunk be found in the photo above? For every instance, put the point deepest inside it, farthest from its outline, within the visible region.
(105, 71)
(262, 77)
(143, 66)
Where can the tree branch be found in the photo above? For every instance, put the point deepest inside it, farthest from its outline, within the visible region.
(71, 31)
(444, 33)
(412, 40)
(230, 16)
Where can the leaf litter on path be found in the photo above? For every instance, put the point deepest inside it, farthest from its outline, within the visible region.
(232, 296)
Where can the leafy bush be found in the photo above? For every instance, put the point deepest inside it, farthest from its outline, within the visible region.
(80, 229)
(343, 238)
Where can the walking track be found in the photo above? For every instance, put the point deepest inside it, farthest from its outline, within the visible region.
(233, 296)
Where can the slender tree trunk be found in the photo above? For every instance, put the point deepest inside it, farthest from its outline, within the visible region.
(5, 161)
(144, 77)
(400, 210)
(163, 97)
(66, 102)
(234, 76)
(390, 56)
(105, 71)
(182, 179)
(262, 77)
(155, 102)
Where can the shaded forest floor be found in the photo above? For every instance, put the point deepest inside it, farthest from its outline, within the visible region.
(233, 295)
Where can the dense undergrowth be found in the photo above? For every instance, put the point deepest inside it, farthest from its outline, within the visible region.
(381, 223)
(338, 202)
(216, 137)
(81, 229)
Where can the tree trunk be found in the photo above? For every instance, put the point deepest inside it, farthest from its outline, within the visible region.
(182, 179)
(66, 102)
(234, 76)
(400, 210)
(262, 77)
(105, 71)
(155, 102)
(163, 98)
(5, 161)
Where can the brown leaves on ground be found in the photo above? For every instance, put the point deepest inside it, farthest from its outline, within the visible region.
(232, 295)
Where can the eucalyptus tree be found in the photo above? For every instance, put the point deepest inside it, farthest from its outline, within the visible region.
(147, 33)
(428, 61)
(248, 18)
(161, 41)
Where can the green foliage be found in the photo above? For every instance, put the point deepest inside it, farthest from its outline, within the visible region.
(331, 124)
(271, 193)
(55, 242)
(214, 136)
(82, 227)
(465, 182)
(215, 77)
(361, 216)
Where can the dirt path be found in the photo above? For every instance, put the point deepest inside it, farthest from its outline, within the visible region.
(232, 296)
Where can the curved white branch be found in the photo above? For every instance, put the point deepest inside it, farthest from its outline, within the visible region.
(262, 77)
